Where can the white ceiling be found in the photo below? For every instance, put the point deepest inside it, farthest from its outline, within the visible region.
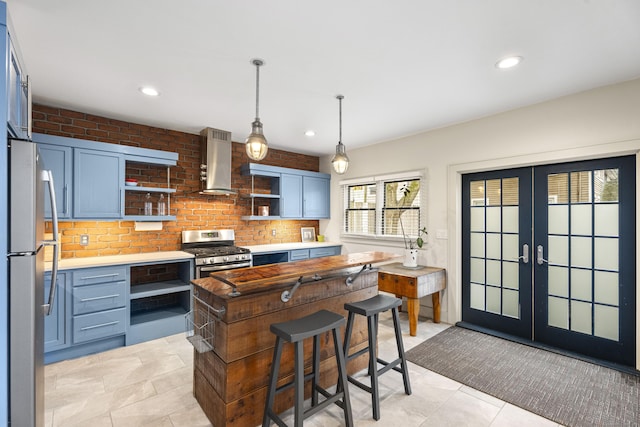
(404, 66)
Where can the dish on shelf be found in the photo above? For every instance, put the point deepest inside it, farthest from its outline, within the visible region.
(131, 182)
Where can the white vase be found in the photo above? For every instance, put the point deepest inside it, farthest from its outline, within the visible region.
(410, 258)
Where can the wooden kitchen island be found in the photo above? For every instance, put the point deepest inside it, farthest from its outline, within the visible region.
(233, 311)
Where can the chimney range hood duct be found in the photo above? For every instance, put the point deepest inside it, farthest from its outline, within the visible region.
(215, 167)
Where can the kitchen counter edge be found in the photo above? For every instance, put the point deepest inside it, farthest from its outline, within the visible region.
(73, 263)
(275, 247)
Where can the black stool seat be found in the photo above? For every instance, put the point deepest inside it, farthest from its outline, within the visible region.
(373, 305)
(308, 326)
(295, 332)
(371, 308)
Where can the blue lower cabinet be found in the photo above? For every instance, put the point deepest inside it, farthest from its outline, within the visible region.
(56, 325)
(325, 251)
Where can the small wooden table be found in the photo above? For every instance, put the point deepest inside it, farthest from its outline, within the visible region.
(413, 283)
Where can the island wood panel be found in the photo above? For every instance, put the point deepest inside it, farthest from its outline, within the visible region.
(235, 379)
(248, 305)
(248, 410)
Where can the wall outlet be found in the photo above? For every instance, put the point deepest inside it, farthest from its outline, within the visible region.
(84, 239)
(273, 232)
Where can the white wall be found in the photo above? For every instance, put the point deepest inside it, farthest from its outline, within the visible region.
(595, 123)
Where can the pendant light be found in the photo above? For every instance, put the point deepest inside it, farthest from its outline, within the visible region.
(340, 161)
(256, 143)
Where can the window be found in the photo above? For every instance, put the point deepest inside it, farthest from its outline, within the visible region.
(383, 206)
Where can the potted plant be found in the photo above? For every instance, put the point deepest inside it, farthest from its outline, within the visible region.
(411, 246)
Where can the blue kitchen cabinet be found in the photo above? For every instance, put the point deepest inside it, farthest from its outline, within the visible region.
(315, 194)
(290, 196)
(56, 325)
(58, 160)
(295, 193)
(98, 184)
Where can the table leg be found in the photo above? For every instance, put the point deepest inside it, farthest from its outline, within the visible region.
(400, 307)
(414, 309)
(435, 299)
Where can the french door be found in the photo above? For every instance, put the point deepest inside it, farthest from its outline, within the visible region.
(549, 255)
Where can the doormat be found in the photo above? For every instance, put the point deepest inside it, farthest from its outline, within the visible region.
(568, 391)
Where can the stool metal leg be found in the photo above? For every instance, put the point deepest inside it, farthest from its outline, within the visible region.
(373, 367)
(299, 384)
(342, 385)
(273, 381)
(405, 370)
(315, 381)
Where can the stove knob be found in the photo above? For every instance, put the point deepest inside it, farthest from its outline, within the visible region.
(225, 259)
(207, 261)
(238, 258)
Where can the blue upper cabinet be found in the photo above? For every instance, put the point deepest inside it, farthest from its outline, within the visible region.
(302, 194)
(58, 160)
(99, 180)
(89, 178)
(290, 196)
(315, 197)
(19, 97)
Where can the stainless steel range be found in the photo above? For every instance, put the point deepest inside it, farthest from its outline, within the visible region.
(214, 251)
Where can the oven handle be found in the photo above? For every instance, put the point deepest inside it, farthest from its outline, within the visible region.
(225, 267)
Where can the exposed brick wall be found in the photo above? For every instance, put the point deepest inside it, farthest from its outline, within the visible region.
(192, 210)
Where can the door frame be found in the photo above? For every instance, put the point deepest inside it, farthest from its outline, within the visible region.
(454, 204)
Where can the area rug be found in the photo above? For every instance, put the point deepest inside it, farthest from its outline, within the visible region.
(566, 390)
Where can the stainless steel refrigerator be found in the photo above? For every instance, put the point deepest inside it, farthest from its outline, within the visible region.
(27, 307)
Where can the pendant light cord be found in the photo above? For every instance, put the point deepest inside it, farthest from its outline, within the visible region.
(340, 117)
(257, 91)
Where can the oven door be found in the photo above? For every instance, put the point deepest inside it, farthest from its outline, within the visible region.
(203, 271)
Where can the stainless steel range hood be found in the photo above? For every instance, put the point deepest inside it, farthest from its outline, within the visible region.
(215, 167)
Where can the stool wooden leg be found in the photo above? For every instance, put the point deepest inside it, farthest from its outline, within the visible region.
(405, 370)
(343, 385)
(373, 368)
(299, 384)
(273, 381)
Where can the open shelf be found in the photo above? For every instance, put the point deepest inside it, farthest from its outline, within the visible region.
(158, 288)
(160, 314)
(262, 196)
(150, 218)
(149, 189)
(258, 217)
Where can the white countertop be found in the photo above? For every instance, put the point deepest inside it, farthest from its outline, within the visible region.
(71, 263)
(274, 247)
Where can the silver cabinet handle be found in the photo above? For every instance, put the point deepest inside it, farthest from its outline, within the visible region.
(98, 298)
(541, 259)
(99, 276)
(47, 176)
(86, 328)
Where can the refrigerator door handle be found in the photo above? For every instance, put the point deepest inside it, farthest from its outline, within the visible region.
(47, 176)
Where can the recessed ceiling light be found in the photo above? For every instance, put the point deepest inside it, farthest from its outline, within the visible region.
(508, 62)
(147, 90)
(310, 133)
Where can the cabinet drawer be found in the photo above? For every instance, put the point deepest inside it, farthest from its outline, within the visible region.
(321, 252)
(98, 325)
(92, 276)
(105, 296)
(299, 254)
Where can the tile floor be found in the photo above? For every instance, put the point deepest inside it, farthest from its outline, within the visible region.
(150, 384)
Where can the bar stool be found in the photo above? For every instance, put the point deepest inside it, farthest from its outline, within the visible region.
(295, 331)
(370, 308)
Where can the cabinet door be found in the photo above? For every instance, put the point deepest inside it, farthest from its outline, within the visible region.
(57, 159)
(290, 196)
(316, 197)
(16, 100)
(55, 325)
(97, 184)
